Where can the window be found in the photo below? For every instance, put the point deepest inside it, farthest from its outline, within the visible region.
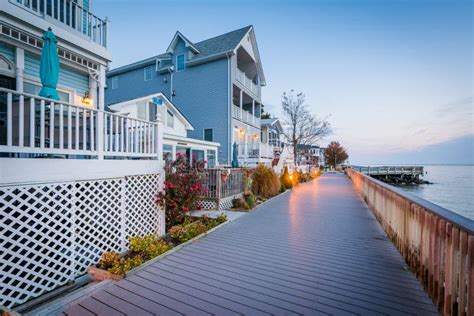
(180, 62)
(168, 153)
(114, 82)
(208, 134)
(197, 155)
(169, 119)
(211, 158)
(148, 72)
(35, 89)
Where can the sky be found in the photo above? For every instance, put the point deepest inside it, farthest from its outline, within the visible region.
(395, 77)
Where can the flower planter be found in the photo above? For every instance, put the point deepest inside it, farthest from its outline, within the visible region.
(97, 274)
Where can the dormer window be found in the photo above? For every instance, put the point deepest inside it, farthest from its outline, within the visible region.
(180, 62)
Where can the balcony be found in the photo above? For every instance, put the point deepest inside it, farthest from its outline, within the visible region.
(69, 14)
(245, 116)
(246, 81)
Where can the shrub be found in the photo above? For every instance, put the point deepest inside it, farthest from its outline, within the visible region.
(141, 249)
(265, 182)
(285, 179)
(251, 201)
(237, 203)
(185, 232)
(183, 186)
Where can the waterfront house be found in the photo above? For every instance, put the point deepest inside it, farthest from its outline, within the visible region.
(216, 83)
(308, 154)
(175, 128)
(99, 172)
(272, 142)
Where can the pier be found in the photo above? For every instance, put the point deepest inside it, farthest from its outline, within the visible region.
(316, 250)
(398, 175)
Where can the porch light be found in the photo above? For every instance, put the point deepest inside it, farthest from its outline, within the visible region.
(255, 136)
(86, 99)
(242, 132)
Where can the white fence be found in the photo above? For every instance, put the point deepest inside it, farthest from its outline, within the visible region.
(42, 126)
(52, 232)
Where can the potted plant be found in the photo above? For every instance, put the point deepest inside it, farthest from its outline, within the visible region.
(225, 175)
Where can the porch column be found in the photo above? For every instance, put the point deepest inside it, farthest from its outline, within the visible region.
(241, 103)
(93, 90)
(100, 113)
(173, 152)
(20, 68)
(253, 111)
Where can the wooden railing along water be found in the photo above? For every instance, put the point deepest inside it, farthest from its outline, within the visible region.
(437, 244)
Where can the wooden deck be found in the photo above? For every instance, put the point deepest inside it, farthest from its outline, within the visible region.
(317, 250)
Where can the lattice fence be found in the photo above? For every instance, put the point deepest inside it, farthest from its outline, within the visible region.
(51, 233)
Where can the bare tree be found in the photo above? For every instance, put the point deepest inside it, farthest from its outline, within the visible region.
(335, 154)
(300, 125)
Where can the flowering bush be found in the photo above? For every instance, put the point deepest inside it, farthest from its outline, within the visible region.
(182, 188)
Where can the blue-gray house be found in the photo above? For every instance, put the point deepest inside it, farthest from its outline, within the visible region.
(216, 83)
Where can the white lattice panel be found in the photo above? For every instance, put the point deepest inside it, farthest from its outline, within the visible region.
(207, 204)
(99, 217)
(35, 240)
(226, 203)
(142, 212)
(51, 233)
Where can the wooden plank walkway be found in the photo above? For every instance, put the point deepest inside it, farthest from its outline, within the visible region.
(317, 250)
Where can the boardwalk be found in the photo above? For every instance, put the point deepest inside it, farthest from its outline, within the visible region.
(317, 250)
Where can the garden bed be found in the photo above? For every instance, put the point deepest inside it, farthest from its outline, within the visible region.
(115, 266)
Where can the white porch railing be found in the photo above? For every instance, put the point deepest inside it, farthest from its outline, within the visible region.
(246, 81)
(69, 13)
(245, 116)
(40, 126)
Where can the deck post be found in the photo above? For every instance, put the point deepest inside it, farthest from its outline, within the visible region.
(100, 114)
(218, 188)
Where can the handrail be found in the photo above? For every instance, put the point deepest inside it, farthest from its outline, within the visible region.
(40, 126)
(436, 243)
(450, 216)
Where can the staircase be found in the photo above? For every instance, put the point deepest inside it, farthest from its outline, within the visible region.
(286, 157)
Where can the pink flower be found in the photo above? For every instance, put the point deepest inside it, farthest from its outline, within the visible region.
(170, 185)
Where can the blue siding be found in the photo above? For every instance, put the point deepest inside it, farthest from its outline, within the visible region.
(201, 94)
(68, 77)
(8, 52)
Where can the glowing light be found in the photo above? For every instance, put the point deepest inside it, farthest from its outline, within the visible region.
(86, 99)
(242, 132)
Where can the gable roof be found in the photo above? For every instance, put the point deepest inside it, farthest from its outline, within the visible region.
(206, 50)
(175, 39)
(274, 121)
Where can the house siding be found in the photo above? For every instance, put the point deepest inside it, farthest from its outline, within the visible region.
(8, 52)
(68, 77)
(201, 95)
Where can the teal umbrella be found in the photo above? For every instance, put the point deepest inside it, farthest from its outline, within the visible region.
(235, 153)
(49, 67)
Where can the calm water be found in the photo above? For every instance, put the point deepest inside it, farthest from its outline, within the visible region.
(452, 188)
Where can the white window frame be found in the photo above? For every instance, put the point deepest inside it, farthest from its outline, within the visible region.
(177, 65)
(150, 68)
(204, 134)
(114, 82)
(71, 92)
(168, 114)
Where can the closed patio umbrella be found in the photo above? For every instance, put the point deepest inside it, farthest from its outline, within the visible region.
(49, 67)
(235, 153)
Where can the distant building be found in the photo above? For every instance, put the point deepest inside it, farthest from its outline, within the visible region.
(308, 155)
(216, 83)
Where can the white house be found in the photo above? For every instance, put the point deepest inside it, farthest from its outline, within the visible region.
(175, 127)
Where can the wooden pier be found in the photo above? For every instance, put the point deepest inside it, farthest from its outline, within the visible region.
(399, 175)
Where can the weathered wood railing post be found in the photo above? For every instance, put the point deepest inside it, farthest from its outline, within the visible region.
(218, 188)
(437, 244)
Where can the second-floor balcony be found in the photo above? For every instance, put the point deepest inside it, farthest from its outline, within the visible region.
(70, 15)
(246, 81)
(245, 116)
